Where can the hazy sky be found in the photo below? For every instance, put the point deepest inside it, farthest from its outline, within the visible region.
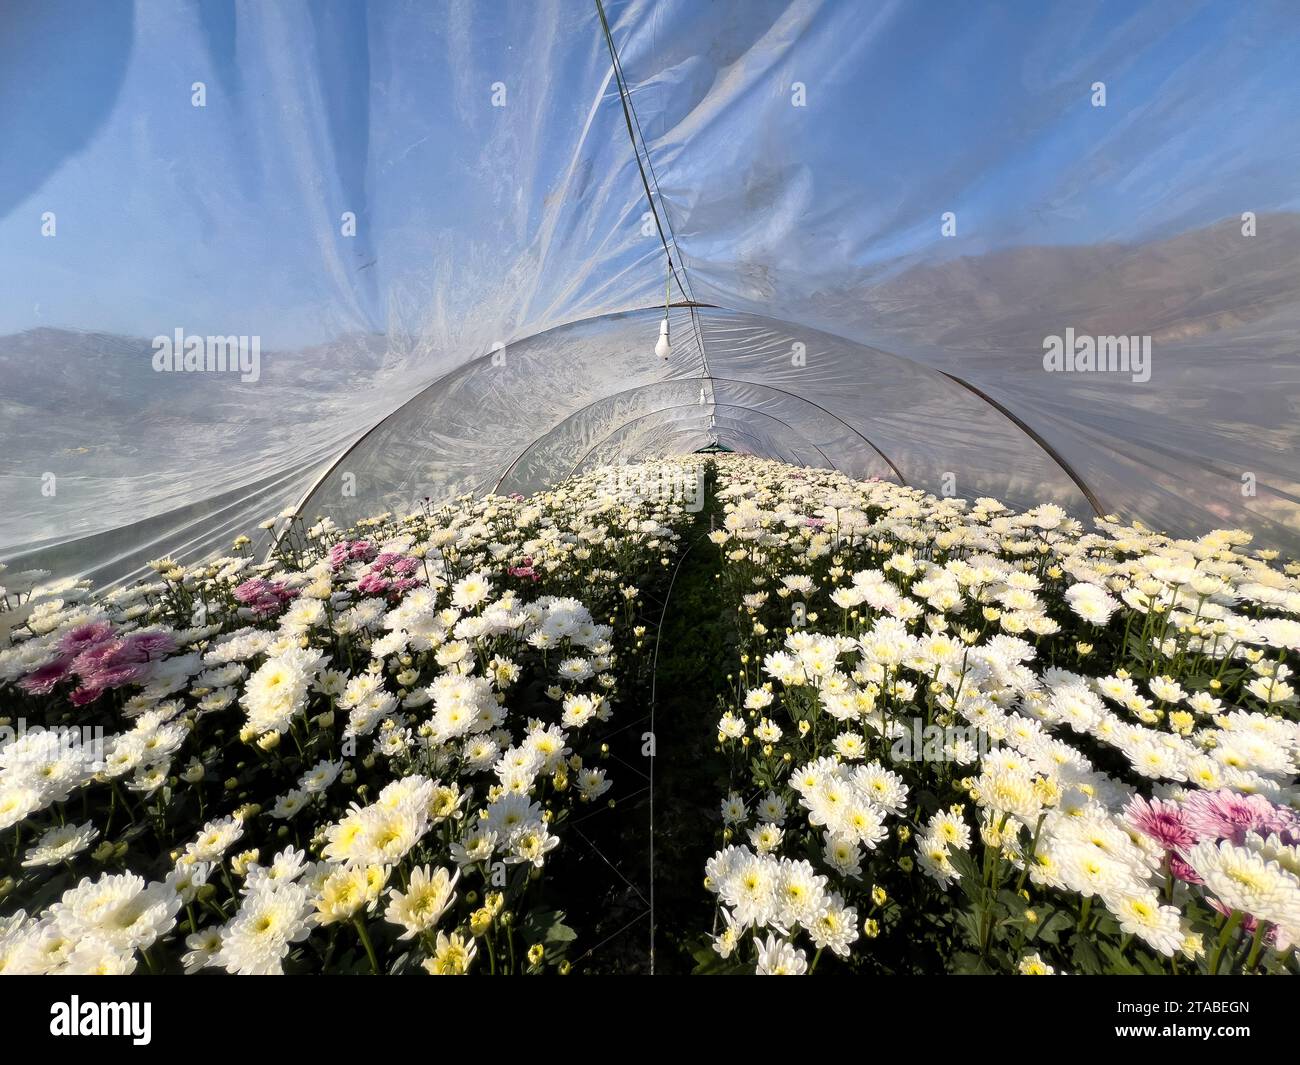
(226, 218)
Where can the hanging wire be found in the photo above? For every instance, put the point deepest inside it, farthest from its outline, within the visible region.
(668, 283)
(662, 223)
(625, 99)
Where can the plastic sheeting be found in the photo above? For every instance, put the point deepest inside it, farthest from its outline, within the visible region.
(539, 410)
(432, 219)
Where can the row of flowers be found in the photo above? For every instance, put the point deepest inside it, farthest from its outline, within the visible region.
(358, 754)
(958, 739)
(965, 739)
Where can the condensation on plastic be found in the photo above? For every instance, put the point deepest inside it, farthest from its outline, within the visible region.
(805, 153)
(535, 415)
(1118, 220)
(476, 226)
(670, 410)
(718, 428)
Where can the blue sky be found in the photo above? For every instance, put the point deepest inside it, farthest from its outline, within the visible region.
(226, 218)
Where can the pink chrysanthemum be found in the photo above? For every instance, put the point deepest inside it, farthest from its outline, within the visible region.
(1183, 871)
(351, 551)
(84, 637)
(42, 681)
(152, 644)
(111, 665)
(265, 598)
(525, 570)
(1273, 935)
(389, 574)
(372, 584)
(1163, 821)
(1217, 815)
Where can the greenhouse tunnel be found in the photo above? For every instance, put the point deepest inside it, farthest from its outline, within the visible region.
(449, 230)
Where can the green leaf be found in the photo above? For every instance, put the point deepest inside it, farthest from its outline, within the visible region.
(964, 963)
(1084, 955)
(1049, 928)
(548, 928)
(1117, 962)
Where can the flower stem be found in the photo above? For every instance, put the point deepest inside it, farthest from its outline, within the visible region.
(1252, 959)
(1229, 926)
(365, 939)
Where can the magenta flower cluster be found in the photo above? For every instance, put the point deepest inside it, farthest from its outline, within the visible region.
(1209, 816)
(265, 598)
(390, 574)
(99, 659)
(525, 570)
(351, 551)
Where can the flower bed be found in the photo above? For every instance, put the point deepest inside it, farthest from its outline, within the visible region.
(359, 755)
(949, 738)
(968, 740)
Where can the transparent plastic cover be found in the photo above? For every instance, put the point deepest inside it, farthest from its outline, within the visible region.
(417, 238)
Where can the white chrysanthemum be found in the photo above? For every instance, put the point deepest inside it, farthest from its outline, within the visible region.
(1243, 879)
(273, 916)
(278, 689)
(471, 591)
(214, 840)
(778, 957)
(60, 844)
(118, 909)
(1141, 914)
(429, 893)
